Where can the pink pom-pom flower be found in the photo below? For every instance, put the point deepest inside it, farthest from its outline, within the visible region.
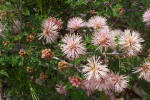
(73, 46)
(50, 30)
(94, 69)
(97, 22)
(146, 17)
(75, 23)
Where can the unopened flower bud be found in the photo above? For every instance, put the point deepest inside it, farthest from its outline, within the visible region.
(43, 76)
(47, 53)
(30, 70)
(22, 53)
(63, 65)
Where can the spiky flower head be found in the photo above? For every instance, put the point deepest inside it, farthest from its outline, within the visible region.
(75, 23)
(103, 40)
(47, 53)
(103, 84)
(97, 22)
(146, 17)
(95, 69)
(75, 81)
(130, 42)
(61, 89)
(89, 86)
(50, 30)
(144, 71)
(118, 82)
(73, 46)
(116, 33)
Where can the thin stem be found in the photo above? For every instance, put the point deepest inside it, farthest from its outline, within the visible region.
(119, 64)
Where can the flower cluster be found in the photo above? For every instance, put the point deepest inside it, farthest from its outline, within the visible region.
(86, 52)
(100, 78)
(96, 72)
(103, 37)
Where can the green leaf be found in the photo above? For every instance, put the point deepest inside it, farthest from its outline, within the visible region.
(2, 72)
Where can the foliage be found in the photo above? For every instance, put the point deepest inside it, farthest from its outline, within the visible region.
(18, 83)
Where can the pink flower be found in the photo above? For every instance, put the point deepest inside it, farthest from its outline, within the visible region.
(130, 42)
(75, 81)
(50, 30)
(116, 33)
(61, 89)
(58, 22)
(94, 69)
(97, 22)
(105, 29)
(103, 40)
(73, 46)
(103, 84)
(146, 17)
(118, 82)
(75, 23)
(144, 71)
(89, 86)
